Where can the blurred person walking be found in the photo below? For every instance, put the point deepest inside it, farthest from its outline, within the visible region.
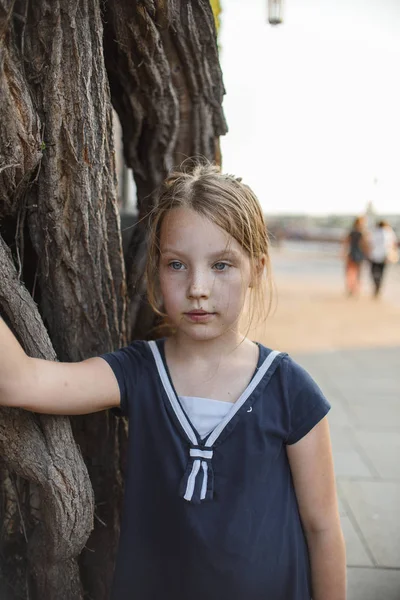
(355, 251)
(383, 249)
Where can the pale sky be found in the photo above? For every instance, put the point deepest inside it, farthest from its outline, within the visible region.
(313, 105)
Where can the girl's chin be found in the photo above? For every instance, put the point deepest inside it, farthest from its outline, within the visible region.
(204, 332)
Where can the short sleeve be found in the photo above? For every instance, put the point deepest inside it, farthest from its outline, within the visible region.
(126, 364)
(307, 404)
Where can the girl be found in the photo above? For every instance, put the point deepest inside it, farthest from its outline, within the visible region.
(230, 491)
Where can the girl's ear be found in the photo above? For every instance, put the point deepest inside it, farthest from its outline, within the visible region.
(258, 270)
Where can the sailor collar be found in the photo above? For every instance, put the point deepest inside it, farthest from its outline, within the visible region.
(197, 484)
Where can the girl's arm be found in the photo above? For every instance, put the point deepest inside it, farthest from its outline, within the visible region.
(313, 476)
(53, 387)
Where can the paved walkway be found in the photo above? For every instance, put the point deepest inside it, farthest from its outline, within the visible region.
(352, 349)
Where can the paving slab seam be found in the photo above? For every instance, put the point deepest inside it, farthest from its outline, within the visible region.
(382, 428)
(345, 400)
(381, 568)
(357, 528)
(364, 456)
(363, 478)
(375, 473)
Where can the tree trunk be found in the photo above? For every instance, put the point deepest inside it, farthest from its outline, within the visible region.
(166, 86)
(84, 292)
(58, 215)
(42, 449)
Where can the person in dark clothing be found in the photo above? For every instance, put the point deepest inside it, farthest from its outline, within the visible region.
(356, 248)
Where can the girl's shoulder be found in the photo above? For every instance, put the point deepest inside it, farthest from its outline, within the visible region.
(129, 362)
(289, 367)
(299, 397)
(297, 377)
(135, 351)
(130, 365)
(296, 383)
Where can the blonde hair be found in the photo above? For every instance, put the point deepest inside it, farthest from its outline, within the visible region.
(227, 202)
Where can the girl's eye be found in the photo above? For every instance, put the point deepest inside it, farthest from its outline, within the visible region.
(176, 265)
(221, 266)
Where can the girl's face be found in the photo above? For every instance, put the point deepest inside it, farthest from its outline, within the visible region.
(204, 275)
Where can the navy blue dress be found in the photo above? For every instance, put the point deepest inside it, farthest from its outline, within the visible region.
(212, 519)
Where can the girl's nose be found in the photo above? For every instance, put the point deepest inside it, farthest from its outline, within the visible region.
(199, 286)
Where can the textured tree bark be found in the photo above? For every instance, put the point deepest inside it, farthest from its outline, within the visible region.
(84, 290)
(84, 303)
(42, 449)
(73, 224)
(20, 143)
(58, 208)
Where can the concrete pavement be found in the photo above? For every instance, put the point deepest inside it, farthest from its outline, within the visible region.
(363, 387)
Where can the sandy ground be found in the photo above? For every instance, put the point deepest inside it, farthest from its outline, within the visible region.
(313, 313)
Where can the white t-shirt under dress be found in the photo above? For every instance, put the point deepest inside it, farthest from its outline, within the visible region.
(205, 413)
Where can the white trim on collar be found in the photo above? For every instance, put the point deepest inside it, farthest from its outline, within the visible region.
(183, 420)
(200, 456)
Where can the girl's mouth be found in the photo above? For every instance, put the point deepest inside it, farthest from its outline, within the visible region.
(199, 316)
